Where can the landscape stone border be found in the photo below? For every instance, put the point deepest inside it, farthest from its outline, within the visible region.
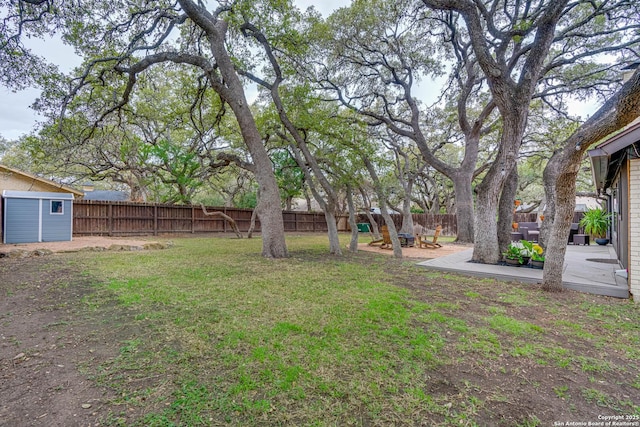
(23, 253)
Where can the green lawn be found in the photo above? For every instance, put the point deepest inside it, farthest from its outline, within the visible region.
(222, 336)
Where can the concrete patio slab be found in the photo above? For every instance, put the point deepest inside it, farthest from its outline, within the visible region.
(591, 269)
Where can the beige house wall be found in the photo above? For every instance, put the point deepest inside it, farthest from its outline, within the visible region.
(634, 229)
(11, 179)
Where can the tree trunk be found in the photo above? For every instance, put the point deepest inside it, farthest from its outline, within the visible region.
(332, 227)
(353, 243)
(300, 148)
(542, 207)
(252, 224)
(407, 218)
(486, 249)
(464, 206)
(268, 208)
(367, 210)
(307, 199)
(328, 206)
(232, 91)
(393, 234)
(505, 209)
(557, 238)
(549, 204)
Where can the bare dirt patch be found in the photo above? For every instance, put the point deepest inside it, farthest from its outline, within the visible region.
(47, 337)
(419, 253)
(78, 243)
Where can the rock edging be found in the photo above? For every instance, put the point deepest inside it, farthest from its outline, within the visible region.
(23, 253)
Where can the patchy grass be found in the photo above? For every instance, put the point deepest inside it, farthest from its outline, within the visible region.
(223, 336)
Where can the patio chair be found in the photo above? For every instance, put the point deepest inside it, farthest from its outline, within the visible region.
(422, 240)
(530, 231)
(386, 238)
(374, 241)
(575, 228)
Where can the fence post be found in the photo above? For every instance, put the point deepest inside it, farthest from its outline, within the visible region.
(155, 220)
(224, 223)
(193, 219)
(110, 219)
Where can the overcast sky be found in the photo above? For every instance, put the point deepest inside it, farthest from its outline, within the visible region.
(16, 118)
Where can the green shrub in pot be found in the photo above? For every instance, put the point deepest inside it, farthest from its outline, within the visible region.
(596, 223)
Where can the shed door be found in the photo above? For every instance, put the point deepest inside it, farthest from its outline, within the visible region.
(56, 220)
(22, 220)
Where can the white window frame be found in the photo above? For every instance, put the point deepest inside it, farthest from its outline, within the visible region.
(51, 212)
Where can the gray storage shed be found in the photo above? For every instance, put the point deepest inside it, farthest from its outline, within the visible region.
(32, 216)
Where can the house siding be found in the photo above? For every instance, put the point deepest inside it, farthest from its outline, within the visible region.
(634, 229)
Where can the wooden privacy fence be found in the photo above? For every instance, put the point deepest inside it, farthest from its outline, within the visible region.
(129, 218)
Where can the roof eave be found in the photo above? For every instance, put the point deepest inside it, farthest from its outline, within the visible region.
(599, 167)
(50, 183)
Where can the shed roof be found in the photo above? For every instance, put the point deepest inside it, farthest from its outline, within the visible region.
(11, 194)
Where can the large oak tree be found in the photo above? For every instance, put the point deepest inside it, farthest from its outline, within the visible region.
(529, 49)
(119, 40)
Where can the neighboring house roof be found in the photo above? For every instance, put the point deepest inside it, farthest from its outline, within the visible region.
(607, 155)
(36, 181)
(584, 203)
(107, 196)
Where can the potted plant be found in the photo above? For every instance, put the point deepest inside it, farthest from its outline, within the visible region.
(596, 223)
(537, 256)
(517, 253)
